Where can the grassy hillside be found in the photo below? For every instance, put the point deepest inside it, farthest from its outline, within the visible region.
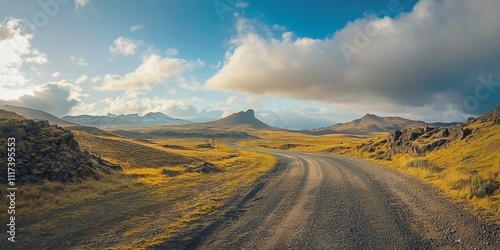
(466, 170)
(165, 185)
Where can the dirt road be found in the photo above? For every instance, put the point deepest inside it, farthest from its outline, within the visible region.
(314, 201)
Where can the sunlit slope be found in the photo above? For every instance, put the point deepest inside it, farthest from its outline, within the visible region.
(373, 124)
(165, 185)
(470, 169)
(465, 168)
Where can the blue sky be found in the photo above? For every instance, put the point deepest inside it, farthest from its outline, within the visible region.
(299, 64)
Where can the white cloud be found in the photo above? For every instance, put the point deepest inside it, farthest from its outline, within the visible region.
(16, 52)
(153, 70)
(136, 27)
(81, 79)
(124, 46)
(96, 79)
(82, 3)
(56, 74)
(254, 102)
(191, 84)
(172, 52)
(242, 5)
(216, 66)
(430, 56)
(278, 27)
(78, 61)
(129, 104)
(35, 71)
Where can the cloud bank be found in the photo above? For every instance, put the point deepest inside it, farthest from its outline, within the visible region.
(16, 51)
(57, 98)
(153, 70)
(441, 56)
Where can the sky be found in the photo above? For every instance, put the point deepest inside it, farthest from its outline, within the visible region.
(298, 64)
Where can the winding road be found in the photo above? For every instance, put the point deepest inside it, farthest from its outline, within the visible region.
(318, 201)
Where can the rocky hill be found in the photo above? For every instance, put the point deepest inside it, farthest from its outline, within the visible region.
(418, 141)
(46, 152)
(371, 123)
(241, 118)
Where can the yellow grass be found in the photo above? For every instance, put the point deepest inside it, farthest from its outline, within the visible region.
(457, 164)
(240, 169)
(34, 199)
(195, 195)
(338, 143)
(190, 195)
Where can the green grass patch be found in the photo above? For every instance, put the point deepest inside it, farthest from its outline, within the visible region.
(424, 164)
(383, 155)
(481, 187)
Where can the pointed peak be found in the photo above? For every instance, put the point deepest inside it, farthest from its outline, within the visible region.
(250, 112)
(243, 117)
(368, 115)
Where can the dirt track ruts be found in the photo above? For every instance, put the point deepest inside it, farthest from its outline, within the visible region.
(317, 201)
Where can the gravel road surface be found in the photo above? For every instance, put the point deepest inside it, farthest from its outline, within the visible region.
(317, 201)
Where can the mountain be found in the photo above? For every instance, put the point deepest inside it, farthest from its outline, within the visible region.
(111, 120)
(371, 123)
(35, 114)
(241, 118)
(234, 126)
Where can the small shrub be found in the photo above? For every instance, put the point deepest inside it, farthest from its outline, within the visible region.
(170, 173)
(383, 155)
(481, 187)
(424, 164)
(460, 184)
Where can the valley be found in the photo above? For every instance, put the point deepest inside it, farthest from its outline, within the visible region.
(240, 183)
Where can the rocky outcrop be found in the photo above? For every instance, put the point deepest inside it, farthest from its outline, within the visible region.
(46, 152)
(205, 168)
(418, 141)
(492, 117)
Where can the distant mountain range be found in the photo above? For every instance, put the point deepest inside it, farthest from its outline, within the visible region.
(371, 123)
(365, 125)
(110, 120)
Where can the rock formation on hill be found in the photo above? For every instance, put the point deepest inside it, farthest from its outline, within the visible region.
(419, 141)
(46, 152)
